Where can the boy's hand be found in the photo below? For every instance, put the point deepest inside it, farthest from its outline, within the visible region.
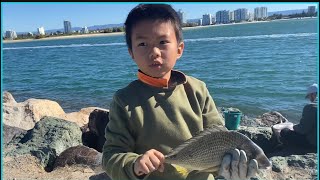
(235, 167)
(150, 161)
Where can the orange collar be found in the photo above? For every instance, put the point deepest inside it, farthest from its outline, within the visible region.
(157, 82)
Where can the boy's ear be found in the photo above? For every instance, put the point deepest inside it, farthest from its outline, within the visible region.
(130, 52)
(180, 49)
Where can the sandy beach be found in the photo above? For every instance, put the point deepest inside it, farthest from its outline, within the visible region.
(65, 37)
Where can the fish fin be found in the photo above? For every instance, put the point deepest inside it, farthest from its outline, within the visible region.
(211, 169)
(181, 170)
(207, 131)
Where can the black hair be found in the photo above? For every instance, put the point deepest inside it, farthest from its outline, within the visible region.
(162, 12)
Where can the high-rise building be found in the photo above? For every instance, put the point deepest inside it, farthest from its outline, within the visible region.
(41, 31)
(182, 15)
(311, 9)
(231, 15)
(85, 30)
(241, 15)
(200, 22)
(260, 13)
(11, 35)
(222, 17)
(206, 19)
(67, 27)
(250, 16)
(213, 20)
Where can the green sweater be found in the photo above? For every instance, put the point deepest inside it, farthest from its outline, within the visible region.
(143, 117)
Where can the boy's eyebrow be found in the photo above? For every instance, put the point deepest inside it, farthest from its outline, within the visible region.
(140, 37)
(144, 37)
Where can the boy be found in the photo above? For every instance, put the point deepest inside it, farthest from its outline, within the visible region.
(160, 110)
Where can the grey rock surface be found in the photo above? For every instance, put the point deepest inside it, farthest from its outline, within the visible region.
(50, 137)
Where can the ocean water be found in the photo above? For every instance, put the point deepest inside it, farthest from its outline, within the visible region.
(256, 67)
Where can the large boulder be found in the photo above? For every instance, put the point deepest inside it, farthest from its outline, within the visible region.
(287, 163)
(24, 115)
(262, 136)
(50, 137)
(292, 167)
(79, 155)
(8, 98)
(10, 133)
(94, 137)
(81, 118)
(270, 118)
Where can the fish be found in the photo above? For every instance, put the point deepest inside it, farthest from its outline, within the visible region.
(205, 151)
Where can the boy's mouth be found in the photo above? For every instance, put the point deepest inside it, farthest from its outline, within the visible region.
(155, 64)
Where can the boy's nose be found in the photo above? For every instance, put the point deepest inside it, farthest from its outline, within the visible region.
(155, 52)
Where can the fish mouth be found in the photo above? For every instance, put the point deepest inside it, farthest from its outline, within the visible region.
(266, 167)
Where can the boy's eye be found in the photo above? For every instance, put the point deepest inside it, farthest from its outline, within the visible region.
(164, 42)
(142, 44)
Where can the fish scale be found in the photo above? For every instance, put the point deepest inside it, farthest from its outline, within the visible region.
(206, 150)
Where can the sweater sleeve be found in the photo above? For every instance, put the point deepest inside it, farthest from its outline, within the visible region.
(210, 113)
(118, 155)
(307, 122)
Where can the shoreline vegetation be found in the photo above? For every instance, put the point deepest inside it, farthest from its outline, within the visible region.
(73, 36)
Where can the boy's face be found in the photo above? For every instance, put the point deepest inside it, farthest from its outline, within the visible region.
(155, 48)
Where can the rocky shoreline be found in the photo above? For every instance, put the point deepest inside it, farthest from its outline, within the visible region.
(41, 141)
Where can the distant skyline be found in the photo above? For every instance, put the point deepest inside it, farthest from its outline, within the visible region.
(28, 16)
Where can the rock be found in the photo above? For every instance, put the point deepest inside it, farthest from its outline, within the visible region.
(98, 121)
(292, 167)
(95, 137)
(81, 117)
(259, 135)
(10, 133)
(246, 121)
(304, 161)
(50, 137)
(101, 176)
(90, 139)
(287, 163)
(79, 155)
(270, 118)
(24, 115)
(8, 98)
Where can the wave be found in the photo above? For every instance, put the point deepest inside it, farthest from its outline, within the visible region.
(186, 40)
(252, 37)
(66, 46)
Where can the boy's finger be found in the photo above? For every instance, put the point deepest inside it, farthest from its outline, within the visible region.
(161, 168)
(141, 169)
(155, 161)
(150, 166)
(159, 155)
(140, 173)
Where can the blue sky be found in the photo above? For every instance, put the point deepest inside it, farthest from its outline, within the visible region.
(25, 17)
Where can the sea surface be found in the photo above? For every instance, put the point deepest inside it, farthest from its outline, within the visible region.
(256, 67)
